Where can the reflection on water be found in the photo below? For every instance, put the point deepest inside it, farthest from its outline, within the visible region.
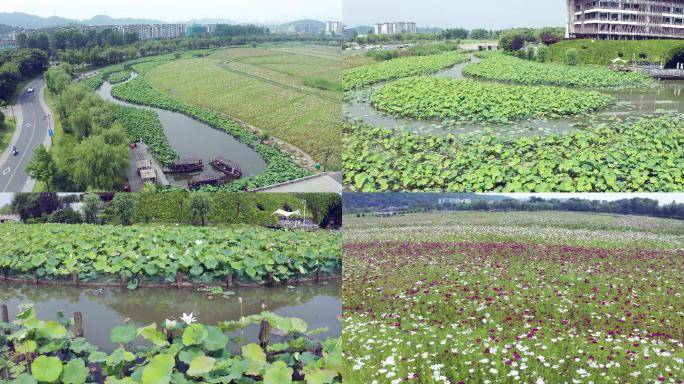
(667, 97)
(106, 308)
(191, 138)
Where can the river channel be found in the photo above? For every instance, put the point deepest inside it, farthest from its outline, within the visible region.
(105, 308)
(629, 102)
(193, 139)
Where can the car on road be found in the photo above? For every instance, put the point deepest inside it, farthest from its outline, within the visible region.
(30, 90)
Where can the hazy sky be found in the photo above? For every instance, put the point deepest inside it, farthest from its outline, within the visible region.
(181, 10)
(663, 198)
(489, 14)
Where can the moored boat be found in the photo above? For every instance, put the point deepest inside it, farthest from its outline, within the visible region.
(226, 166)
(185, 166)
(199, 181)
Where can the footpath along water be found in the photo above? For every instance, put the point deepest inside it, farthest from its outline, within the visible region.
(191, 138)
(667, 97)
(105, 308)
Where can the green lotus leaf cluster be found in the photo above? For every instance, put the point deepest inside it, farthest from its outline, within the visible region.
(641, 155)
(476, 101)
(363, 76)
(35, 351)
(143, 124)
(119, 77)
(501, 67)
(279, 166)
(203, 254)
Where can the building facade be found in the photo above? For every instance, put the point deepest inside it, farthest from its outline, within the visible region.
(333, 27)
(155, 31)
(625, 19)
(395, 27)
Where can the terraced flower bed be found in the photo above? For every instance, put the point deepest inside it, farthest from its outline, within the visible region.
(474, 101)
(641, 155)
(362, 76)
(507, 68)
(175, 352)
(136, 254)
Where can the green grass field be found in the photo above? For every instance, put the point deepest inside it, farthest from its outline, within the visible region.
(6, 131)
(602, 52)
(276, 89)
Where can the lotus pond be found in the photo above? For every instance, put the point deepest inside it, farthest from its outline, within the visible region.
(468, 306)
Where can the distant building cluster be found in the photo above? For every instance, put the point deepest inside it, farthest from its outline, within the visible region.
(154, 31)
(333, 27)
(625, 19)
(395, 27)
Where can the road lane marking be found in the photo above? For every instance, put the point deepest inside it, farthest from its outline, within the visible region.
(6, 171)
(28, 125)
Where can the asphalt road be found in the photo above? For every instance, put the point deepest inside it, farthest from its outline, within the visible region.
(32, 133)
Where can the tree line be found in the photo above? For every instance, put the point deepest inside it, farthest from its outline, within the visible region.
(634, 206)
(92, 153)
(18, 65)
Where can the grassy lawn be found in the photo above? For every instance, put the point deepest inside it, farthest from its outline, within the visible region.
(6, 131)
(289, 91)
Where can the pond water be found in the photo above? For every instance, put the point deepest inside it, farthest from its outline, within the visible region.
(105, 308)
(191, 138)
(667, 97)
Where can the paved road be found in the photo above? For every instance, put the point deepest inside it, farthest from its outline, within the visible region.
(27, 137)
(324, 182)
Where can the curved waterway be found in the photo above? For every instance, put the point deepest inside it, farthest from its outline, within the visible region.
(629, 102)
(105, 308)
(192, 138)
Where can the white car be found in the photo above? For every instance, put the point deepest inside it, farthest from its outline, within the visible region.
(30, 90)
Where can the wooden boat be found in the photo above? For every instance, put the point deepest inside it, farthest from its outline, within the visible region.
(226, 166)
(185, 166)
(214, 179)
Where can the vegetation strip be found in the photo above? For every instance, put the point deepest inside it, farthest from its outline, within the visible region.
(131, 254)
(178, 351)
(365, 75)
(641, 155)
(280, 167)
(503, 67)
(473, 101)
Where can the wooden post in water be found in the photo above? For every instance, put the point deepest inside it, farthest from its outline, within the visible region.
(229, 280)
(265, 331)
(271, 281)
(124, 280)
(78, 324)
(318, 274)
(179, 280)
(5, 273)
(5, 317)
(74, 278)
(35, 276)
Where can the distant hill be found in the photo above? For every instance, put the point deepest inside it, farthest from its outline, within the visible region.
(354, 202)
(24, 20)
(307, 25)
(107, 20)
(361, 29)
(5, 28)
(209, 20)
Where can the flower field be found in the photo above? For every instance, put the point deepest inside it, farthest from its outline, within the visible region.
(479, 305)
(177, 351)
(474, 101)
(640, 155)
(137, 254)
(365, 75)
(502, 67)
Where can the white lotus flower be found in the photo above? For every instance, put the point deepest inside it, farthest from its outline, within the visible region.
(170, 324)
(188, 319)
